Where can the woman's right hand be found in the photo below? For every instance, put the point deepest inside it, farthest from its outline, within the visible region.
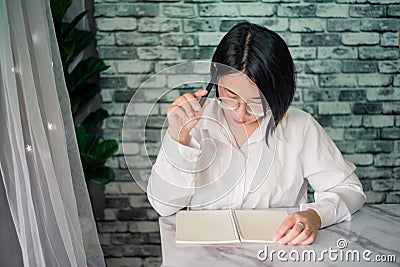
(183, 114)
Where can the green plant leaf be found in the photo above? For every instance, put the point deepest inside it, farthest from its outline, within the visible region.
(82, 96)
(63, 28)
(106, 149)
(103, 175)
(88, 157)
(80, 136)
(75, 44)
(59, 8)
(92, 142)
(94, 118)
(65, 32)
(88, 161)
(85, 70)
(94, 150)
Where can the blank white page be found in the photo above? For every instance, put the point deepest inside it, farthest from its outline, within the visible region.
(259, 225)
(205, 227)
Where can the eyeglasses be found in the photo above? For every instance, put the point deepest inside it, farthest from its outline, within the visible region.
(233, 104)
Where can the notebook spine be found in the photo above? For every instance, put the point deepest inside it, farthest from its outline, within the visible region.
(235, 225)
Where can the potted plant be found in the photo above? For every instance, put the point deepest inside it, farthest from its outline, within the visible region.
(94, 149)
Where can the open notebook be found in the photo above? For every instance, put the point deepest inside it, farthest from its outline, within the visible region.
(227, 226)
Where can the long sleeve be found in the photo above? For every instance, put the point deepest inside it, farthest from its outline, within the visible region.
(171, 183)
(338, 191)
(339, 202)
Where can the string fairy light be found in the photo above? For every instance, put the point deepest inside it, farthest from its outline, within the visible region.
(28, 148)
(51, 126)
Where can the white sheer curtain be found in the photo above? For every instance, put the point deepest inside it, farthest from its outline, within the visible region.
(39, 159)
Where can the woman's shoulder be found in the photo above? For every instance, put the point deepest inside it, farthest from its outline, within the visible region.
(299, 120)
(297, 125)
(296, 117)
(292, 125)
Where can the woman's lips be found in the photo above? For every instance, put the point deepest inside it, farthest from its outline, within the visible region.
(239, 122)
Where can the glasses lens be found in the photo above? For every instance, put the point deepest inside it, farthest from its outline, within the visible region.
(227, 103)
(232, 104)
(255, 109)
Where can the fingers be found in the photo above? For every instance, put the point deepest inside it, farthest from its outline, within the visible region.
(304, 235)
(193, 99)
(195, 102)
(177, 112)
(309, 240)
(190, 103)
(293, 232)
(184, 113)
(283, 229)
(200, 93)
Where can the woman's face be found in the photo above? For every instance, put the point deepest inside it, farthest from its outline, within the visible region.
(239, 87)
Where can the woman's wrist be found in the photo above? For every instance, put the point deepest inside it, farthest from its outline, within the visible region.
(315, 216)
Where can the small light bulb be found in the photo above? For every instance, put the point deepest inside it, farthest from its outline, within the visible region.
(35, 38)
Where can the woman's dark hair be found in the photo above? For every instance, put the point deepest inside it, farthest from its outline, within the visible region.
(264, 57)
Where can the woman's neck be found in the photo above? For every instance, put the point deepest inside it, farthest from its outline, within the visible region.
(242, 133)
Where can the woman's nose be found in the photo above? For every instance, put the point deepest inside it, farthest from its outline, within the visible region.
(241, 110)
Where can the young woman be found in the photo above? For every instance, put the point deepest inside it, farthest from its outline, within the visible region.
(248, 149)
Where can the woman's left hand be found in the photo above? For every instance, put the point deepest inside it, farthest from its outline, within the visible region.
(299, 228)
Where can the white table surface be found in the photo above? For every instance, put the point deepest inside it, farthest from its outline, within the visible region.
(374, 227)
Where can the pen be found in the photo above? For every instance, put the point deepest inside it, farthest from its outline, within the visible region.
(209, 87)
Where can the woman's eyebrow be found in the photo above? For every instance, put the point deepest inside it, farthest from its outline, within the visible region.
(230, 91)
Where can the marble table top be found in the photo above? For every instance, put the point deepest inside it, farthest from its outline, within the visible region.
(373, 236)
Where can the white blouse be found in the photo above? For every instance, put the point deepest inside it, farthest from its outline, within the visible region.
(213, 173)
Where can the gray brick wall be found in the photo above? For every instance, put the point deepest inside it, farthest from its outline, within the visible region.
(347, 59)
